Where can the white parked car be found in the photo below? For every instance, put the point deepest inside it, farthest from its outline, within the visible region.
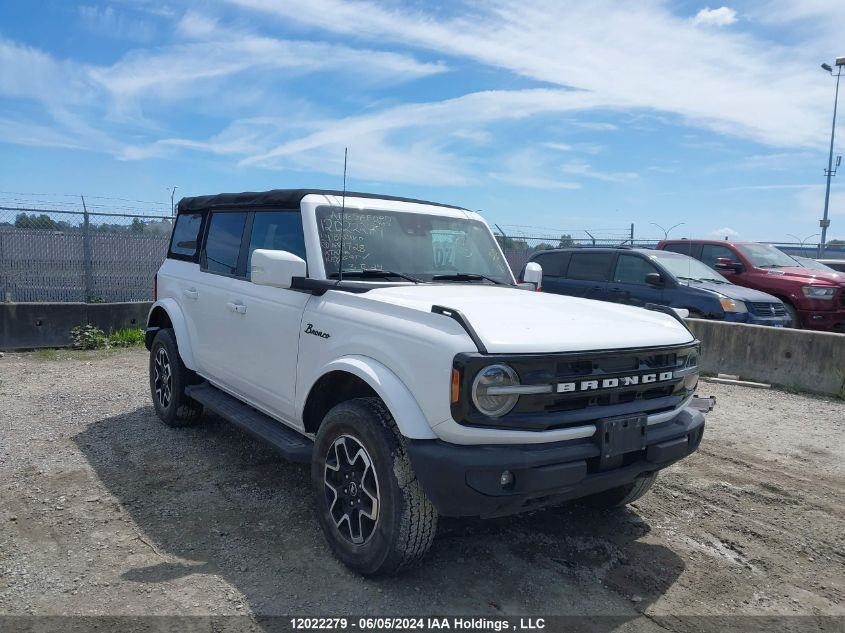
(384, 341)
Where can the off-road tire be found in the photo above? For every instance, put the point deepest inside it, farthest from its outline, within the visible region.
(406, 521)
(177, 409)
(621, 495)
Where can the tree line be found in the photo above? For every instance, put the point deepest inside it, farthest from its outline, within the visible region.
(46, 222)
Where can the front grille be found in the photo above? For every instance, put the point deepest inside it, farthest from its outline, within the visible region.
(766, 308)
(597, 385)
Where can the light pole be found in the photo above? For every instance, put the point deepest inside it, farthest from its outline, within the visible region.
(669, 230)
(840, 63)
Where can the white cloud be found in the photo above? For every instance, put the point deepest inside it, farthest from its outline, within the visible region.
(528, 168)
(408, 143)
(723, 16)
(725, 231)
(197, 25)
(631, 56)
(580, 168)
(81, 100)
(110, 23)
(171, 72)
(595, 126)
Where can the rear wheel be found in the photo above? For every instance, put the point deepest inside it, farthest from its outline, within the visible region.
(168, 379)
(372, 509)
(621, 495)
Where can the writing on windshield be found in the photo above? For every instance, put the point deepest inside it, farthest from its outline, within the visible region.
(417, 244)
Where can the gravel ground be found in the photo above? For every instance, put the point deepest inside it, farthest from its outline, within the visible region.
(104, 510)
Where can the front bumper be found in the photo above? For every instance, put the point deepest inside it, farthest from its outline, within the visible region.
(464, 480)
(827, 321)
(756, 319)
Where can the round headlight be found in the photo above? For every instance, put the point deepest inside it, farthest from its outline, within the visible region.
(494, 404)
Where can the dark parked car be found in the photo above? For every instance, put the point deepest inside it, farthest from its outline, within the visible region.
(639, 276)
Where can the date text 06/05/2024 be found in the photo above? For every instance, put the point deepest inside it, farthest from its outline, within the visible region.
(419, 623)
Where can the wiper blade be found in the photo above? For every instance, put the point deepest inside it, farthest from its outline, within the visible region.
(772, 266)
(375, 273)
(466, 277)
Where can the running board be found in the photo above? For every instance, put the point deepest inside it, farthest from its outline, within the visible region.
(293, 446)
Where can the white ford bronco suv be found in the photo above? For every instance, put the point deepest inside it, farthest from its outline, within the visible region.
(384, 341)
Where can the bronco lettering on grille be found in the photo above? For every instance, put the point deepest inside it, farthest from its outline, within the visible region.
(612, 383)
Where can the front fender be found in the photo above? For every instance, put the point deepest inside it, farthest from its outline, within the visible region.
(393, 392)
(180, 329)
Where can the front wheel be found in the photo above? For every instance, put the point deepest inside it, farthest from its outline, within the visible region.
(168, 379)
(621, 495)
(372, 509)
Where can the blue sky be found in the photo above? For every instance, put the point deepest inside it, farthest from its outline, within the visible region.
(547, 115)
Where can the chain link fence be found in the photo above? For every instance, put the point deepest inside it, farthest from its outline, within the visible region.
(59, 255)
(65, 254)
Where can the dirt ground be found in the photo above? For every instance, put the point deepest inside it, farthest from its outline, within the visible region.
(104, 510)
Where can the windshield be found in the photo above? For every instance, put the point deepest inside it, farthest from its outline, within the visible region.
(417, 245)
(686, 268)
(806, 262)
(766, 256)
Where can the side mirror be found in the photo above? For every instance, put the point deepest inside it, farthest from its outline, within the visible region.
(275, 268)
(533, 274)
(655, 279)
(726, 263)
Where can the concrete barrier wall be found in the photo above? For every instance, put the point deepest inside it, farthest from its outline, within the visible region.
(34, 325)
(800, 359)
(809, 361)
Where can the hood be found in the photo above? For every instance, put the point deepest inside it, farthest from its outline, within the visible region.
(510, 320)
(808, 275)
(732, 291)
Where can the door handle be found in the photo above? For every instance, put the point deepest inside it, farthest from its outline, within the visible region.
(236, 307)
(191, 293)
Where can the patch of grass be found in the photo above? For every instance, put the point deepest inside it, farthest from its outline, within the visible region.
(126, 337)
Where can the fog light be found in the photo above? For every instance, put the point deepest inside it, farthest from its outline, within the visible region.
(506, 478)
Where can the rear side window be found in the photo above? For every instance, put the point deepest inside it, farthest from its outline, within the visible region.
(184, 243)
(223, 243)
(590, 266)
(552, 264)
(685, 248)
(631, 269)
(276, 231)
(710, 253)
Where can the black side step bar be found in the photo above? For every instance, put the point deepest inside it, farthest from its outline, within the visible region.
(293, 446)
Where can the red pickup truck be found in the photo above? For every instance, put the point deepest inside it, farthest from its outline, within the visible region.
(815, 299)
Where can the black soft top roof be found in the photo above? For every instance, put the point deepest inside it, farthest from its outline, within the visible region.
(279, 199)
